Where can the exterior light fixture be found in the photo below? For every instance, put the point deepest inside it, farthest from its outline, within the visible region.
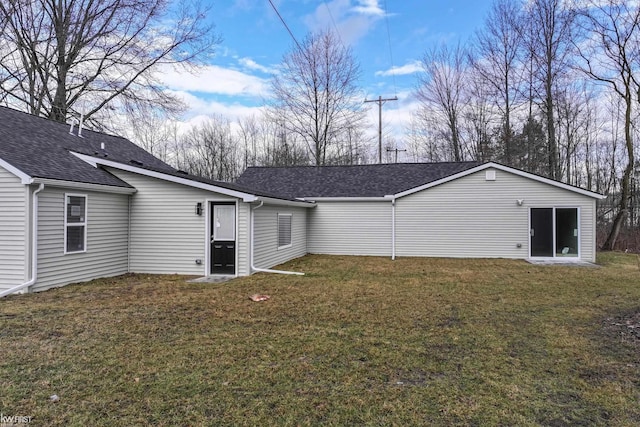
(198, 208)
(520, 202)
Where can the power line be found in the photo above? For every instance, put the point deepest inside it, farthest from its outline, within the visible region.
(386, 20)
(285, 25)
(333, 21)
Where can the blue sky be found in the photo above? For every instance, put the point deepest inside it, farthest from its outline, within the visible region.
(235, 82)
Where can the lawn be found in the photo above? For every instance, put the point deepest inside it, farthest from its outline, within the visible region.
(357, 341)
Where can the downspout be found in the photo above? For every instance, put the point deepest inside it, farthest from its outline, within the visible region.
(251, 243)
(393, 229)
(129, 233)
(34, 248)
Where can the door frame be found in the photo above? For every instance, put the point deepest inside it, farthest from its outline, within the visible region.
(553, 221)
(208, 232)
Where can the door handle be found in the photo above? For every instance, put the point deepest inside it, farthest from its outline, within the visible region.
(532, 232)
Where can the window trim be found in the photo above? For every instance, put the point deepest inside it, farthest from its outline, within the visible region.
(67, 225)
(290, 244)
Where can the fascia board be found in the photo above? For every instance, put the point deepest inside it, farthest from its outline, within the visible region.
(547, 181)
(84, 186)
(24, 178)
(347, 199)
(282, 202)
(505, 169)
(166, 177)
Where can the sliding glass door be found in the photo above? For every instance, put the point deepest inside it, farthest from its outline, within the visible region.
(554, 232)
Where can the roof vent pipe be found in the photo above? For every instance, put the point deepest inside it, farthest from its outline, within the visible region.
(73, 122)
(80, 125)
(102, 146)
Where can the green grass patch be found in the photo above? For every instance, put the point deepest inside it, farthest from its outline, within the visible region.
(357, 341)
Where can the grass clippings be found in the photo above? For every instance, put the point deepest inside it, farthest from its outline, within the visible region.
(357, 341)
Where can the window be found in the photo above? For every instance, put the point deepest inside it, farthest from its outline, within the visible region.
(75, 223)
(284, 231)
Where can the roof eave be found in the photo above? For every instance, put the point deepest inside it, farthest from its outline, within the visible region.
(347, 199)
(24, 178)
(84, 186)
(283, 202)
(558, 184)
(246, 197)
(503, 168)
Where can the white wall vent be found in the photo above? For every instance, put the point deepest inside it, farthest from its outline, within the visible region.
(490, 175)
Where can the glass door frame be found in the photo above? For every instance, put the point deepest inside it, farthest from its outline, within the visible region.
(554, 233)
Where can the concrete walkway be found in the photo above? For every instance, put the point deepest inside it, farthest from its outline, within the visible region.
(563, 262)
(212, 279)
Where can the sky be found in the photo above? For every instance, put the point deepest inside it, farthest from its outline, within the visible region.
(387, 37)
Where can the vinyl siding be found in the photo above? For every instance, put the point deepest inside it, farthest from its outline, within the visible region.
(472, 217)
(243, 261)
(167, 237)
(266, 250)
(14, 230)
(107, 231)
(350, 228)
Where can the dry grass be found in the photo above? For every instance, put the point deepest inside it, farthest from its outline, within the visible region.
(357, 341)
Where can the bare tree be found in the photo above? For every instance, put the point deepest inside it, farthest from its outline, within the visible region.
(210, 150)
(315, 94)
(610, 55)
(478, 119)
(61, 56)
(441, 90)
(152, 130)
(497, 59)
(548, 32)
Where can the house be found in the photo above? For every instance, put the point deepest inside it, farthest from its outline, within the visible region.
(463, 209)
(76, 205)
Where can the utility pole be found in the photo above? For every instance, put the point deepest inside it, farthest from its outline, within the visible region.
(380, 101)
(396, 150)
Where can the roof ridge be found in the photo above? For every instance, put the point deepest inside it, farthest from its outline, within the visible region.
(365, 165)
(56, 123)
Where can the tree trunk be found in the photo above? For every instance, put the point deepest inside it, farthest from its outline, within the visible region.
(551, 130)
(625, 187)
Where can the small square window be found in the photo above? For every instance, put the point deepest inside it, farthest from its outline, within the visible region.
(284, 231)
(75, 223)
(75, 209)
(75, 238)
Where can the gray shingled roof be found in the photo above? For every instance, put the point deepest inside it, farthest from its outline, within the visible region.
(227, 185)
(348, 181)
(42, 148)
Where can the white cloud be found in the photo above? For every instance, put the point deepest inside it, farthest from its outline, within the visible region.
(213, 79)
(409, 68)
(369, 7)
(253, 65)
(350, 22)
(199, 106)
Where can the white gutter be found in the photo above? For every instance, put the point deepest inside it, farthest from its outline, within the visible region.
(282, 202)
(34, 247)
(251, 242)
(84, 186)
(393, 229)
(345, 199)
